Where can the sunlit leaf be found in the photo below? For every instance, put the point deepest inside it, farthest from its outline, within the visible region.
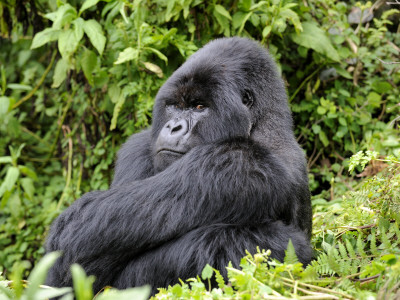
(95, 33)
(67, 43)
(60, 73)
(44, 37)
(222, 11)
(315, 38)
(10, 180)
(87, 4)
(39, 273)
(126, 55)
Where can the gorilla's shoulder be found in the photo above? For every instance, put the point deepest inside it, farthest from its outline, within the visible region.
(136, 151)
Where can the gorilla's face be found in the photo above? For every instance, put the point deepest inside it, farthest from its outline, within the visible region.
(194, 108)
(186, 108)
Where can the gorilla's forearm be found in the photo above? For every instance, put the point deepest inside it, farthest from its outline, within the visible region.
(228, 183)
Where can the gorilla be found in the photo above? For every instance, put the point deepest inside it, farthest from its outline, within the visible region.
(219, 172)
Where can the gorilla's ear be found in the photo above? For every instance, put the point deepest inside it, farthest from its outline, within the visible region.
(247, 98)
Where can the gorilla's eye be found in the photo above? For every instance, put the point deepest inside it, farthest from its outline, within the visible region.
(178, 105)
(200, 106)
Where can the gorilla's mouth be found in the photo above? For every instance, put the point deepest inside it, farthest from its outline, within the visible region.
(171, 151)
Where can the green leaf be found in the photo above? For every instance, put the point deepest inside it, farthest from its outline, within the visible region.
(126, 55)
(27, 185)
(255, 20)
(60, 73)
(290, 254)
(293, 17)
(87, 4)
(342, 121)
(246, 17)
(381, 87)
(63, 16)
(52, 293)
(207, 272)
(158, 53)
(238, 18)
(321, 110)
(89, 64)
(39, 273)
(44, 37)
(266, 31)
(315, 38)
(28, 172)
(67, 43)
(137, 293)
(17, 86)
(114, 92)
(10, 180)
(374, 99)
(316, 128)
(82, 283)
(222, 11)
(342, 72)
(8, 293)
(244, 5)
(5, 160)
(364, 118)
(4, 106)
(223, 17)
(95, 33)
(323, 138)
(117, 109)
(78, 28)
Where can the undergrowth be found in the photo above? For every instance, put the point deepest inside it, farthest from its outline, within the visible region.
(357, 256)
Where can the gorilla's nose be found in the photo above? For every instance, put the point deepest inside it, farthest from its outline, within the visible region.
(177, 128)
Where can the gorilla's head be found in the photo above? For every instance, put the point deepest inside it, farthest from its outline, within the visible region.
(228, 89)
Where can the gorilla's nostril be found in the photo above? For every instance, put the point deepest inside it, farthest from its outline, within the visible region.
(176, 128)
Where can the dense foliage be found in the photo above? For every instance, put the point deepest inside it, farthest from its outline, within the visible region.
(78, 77)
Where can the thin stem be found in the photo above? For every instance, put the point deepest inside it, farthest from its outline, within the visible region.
(32, 92)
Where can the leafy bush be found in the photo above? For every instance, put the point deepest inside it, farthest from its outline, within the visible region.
(34, 290)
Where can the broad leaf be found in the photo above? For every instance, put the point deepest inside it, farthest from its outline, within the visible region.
(222, 11)
(78, 28)
(45, 36)
(315, 38)
(126, 55)
(64, 15)
(158, 53)
(67, 43)
(60, 73)
(137, 293)
(82, 283)
(87, 4)
(89, 63)
(9, 181)
(95, 33)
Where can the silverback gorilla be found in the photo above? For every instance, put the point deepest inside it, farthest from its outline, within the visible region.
(219, 172)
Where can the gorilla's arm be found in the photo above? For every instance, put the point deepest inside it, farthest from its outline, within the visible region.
(232, 183)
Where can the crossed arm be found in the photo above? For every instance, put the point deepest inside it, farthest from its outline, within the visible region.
(233, 182)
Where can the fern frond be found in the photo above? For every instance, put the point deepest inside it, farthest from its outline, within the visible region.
(290, 254)
(360, 246)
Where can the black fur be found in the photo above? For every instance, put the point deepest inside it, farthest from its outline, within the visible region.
(242, 184)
